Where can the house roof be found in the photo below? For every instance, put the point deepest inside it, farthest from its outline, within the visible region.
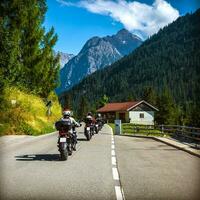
(117, 106)
(124, 106)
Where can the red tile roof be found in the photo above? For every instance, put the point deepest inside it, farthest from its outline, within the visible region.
(112, 107)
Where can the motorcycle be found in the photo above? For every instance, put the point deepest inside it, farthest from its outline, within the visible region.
(97, 128)
(88, 131)
(64, 139)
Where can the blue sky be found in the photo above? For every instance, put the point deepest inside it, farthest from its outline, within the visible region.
(78, 20)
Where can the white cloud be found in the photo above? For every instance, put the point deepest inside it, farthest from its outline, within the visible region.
(135, 16)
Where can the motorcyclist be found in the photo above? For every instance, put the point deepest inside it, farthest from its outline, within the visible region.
(99, 121)
(74, 123)
(90, 120)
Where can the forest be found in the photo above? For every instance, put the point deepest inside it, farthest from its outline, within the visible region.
(164, 70)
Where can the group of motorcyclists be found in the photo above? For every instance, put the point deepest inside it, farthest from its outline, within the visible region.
(66, 126)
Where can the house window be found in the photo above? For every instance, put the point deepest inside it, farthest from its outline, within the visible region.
(141, 115)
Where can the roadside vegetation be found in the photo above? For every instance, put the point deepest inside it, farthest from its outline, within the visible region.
(25, 113)
(28, 69)
(135, 129)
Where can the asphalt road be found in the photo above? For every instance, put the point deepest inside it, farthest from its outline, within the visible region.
(153, 170)
(30, 169)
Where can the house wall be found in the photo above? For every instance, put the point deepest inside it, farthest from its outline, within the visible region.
(109, 116)
(147, 120)
(126, 116)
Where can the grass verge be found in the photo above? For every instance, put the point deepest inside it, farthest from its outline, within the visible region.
(133, 129)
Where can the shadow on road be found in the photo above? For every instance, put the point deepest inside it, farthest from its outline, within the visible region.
(81, 139)
(38, 157)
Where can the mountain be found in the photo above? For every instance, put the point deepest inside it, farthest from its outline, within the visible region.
(96, 54)
(64, 58)
(169, 59)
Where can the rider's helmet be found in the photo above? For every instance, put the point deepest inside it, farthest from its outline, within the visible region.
(66, 113)
(89, 114)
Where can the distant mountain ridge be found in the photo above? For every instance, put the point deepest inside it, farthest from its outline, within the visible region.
(170, 58)
(96, 54)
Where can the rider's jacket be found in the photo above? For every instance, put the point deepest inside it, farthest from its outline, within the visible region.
(89, 119)
(72, 121)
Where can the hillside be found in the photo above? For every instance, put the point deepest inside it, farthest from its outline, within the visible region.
(25, 113)
(96, 54)
(170, 58)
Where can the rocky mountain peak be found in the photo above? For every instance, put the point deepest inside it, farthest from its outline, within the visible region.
(123, 32)
(96, 54)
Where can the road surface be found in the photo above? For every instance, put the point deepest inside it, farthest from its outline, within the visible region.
(103, 168)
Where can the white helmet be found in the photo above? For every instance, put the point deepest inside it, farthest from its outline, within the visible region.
(66, 113)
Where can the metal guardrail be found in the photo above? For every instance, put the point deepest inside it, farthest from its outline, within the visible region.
(185, 133)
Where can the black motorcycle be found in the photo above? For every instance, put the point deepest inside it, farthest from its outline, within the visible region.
(87, 131)
(64, 139)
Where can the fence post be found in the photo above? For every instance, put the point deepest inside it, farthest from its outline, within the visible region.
(162, 129)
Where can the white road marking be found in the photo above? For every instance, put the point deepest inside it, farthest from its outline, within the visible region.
(113, 160)
(115, 173)
(113, 152)
(118, 189)
(118, 193)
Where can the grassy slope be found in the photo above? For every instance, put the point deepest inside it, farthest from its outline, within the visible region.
(28, 116)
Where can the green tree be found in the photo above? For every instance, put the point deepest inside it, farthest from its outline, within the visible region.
(168, 113)
(131, 97)
(11, 14)
(67, 104)
(26, 53)
(82, 108)
(149, 95)
(102, 101)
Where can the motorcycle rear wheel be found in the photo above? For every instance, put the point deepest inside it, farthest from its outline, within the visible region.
(64, 155)
(88, 136)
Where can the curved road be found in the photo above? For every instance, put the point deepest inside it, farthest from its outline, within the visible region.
(30, 169)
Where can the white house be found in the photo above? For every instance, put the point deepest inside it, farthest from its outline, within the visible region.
(137, 112)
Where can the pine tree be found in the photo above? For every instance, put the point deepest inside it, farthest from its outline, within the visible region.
(131, 97)
(149, 95)
(67, 104)
(26, 54)
(11, 15)
(82, 108)
(168, 112)
(103, 101)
